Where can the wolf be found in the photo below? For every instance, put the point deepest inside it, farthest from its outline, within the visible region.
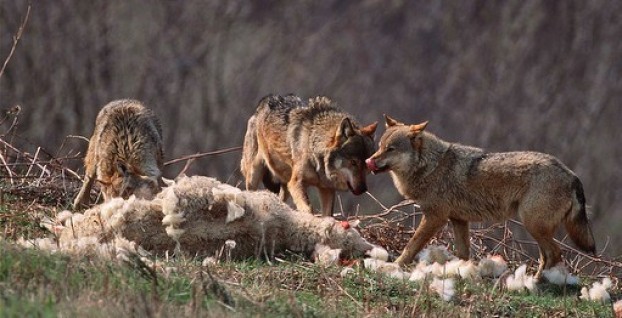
(125, 153)
(462, 184)
(291, 145)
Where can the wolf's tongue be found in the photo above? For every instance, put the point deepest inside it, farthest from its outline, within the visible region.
(371, 165)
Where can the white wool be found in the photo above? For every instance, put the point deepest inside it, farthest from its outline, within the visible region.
(617, 308)
(598, 291)
(116, 220)
(607, 282)
(110, 208)
(63, 215)
(520, 280)
(326, 256)
(51, 225)
(444, 288)
(171, 215)
(225, 192)
(234, 211)
(492, 266)
(452, 267)
(230, 244)
(346, 271)
(210, 260)
(168, 182)
(559, 275)
(417, 275)
(435, 254)
(173, 219)
(468, 270)
(435, 269)
(174, 233)
(378, 253)
(399, 274)
(169, 201)
(379, 266)
(75, 219)
(45, 244)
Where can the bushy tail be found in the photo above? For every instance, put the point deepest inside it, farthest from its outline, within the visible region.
(577, 223)
(270, 183)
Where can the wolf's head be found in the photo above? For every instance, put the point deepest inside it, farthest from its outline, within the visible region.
(399, 148)
(126, 181)
(345, 160)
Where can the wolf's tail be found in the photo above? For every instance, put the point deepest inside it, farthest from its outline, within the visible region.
(270, 183)
(577, 223)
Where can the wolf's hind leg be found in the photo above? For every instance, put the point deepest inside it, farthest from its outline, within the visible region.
(255, 175)
(550, 253)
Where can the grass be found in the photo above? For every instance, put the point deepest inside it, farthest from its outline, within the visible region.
(38, 284)
(35, 283)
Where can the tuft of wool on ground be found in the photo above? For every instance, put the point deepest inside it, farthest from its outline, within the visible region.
(598, 292)
(436, 274)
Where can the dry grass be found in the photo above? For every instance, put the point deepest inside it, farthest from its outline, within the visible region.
(37, 185)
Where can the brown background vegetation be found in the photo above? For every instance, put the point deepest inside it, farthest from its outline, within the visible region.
(511, 75)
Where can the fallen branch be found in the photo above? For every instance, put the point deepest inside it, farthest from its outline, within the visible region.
(204, 154)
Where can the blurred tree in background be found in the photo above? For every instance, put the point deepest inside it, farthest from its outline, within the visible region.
(501, 75)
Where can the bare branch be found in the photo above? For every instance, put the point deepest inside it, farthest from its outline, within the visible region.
(16, 39)
(204, 154)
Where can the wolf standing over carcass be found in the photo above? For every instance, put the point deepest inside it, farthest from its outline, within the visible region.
(299, 144)
(124, 154)
(462, 184)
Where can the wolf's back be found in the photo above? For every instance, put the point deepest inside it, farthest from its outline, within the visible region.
(130, 132)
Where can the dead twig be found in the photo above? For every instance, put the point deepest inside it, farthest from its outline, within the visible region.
(204, 154)
(16, 39)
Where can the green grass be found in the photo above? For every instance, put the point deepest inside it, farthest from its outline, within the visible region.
(34, 283)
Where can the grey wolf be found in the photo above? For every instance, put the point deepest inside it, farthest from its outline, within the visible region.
(294, 145)
(462, 184)
(125, 153)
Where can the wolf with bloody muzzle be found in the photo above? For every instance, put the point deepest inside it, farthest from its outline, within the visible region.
(462, 184)
(291, 144)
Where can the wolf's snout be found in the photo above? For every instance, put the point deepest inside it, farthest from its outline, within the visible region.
(360, 188)
(371, 164)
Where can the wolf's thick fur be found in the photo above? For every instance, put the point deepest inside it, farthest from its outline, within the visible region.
(297, 144)
(125, 153)
(463, 184)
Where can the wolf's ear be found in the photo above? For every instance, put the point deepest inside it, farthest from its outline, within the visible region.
(345, 130)
(390, 121)
(369, 130)
(415, 138)
(418, 128)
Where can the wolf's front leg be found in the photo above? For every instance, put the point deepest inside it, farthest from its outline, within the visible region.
(461, 238)
(84, 196)
(327, 196)
(298, 191)
(426, 229)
